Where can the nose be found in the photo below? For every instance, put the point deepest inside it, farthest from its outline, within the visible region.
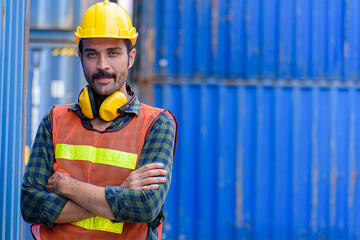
(102, 63)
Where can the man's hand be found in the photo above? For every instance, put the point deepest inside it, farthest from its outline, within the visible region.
(86, 195)
(57, 181)
(146, 177)
(92, 198)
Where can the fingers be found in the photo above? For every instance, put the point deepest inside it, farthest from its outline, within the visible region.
(150, 187)
(154, 173)
(153, 180)
(57, 181)
(150, 167)
(146, 178)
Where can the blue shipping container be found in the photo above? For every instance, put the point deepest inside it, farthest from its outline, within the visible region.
(263, 162)
(58, 15)
(12, 91)
(266, 96)
(55, 77)
(251, 39)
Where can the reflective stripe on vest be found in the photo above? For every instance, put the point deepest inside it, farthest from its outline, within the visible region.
(96, 155)
(101, 224)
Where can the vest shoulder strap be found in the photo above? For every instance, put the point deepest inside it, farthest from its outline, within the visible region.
(58, 110)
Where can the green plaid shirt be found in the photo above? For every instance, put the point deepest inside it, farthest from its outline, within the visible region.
(40, 206)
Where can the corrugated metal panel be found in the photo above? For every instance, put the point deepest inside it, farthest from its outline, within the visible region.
(54, 14)
(55, 77)
(251, 39)
(12, 43)
(263, 162)
(256, 158)
(267, 124)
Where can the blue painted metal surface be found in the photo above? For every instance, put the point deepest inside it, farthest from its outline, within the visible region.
(12, 90)
(265, 93)
(53, 14)
(55, 77)
(263, 162)
(39, 37)
(251, 39)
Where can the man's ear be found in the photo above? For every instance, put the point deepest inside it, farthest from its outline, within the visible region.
(132, 55)
(80, 56)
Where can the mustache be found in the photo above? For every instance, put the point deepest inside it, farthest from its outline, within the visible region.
(102, 74)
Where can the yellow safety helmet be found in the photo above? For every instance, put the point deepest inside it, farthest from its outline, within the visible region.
(106, 20)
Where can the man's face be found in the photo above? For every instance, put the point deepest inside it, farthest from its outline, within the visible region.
(106, 62)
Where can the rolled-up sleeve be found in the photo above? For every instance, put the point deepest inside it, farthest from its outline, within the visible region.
(38, 205)
(143, 206)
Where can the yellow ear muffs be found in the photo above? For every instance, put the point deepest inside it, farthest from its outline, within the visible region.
(87, 103)
(109, 109)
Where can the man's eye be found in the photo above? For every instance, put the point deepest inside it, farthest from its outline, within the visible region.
(91, 54)
(113, 53)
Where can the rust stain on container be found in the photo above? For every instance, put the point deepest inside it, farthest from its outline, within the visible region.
(145, 82)
(315, 190)
(3, 14)
(239, 214)
(214, 26)
(353, 178)
(334, 177)
(149, 48)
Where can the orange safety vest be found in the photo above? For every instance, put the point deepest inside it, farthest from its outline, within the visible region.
(100, 158)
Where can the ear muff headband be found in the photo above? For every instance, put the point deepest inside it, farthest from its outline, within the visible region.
(87, 103)
(109, 107)
(94, 106)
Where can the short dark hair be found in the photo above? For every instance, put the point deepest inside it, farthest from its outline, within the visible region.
(128, 45)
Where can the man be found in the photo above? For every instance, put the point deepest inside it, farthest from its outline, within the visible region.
(101, 168)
